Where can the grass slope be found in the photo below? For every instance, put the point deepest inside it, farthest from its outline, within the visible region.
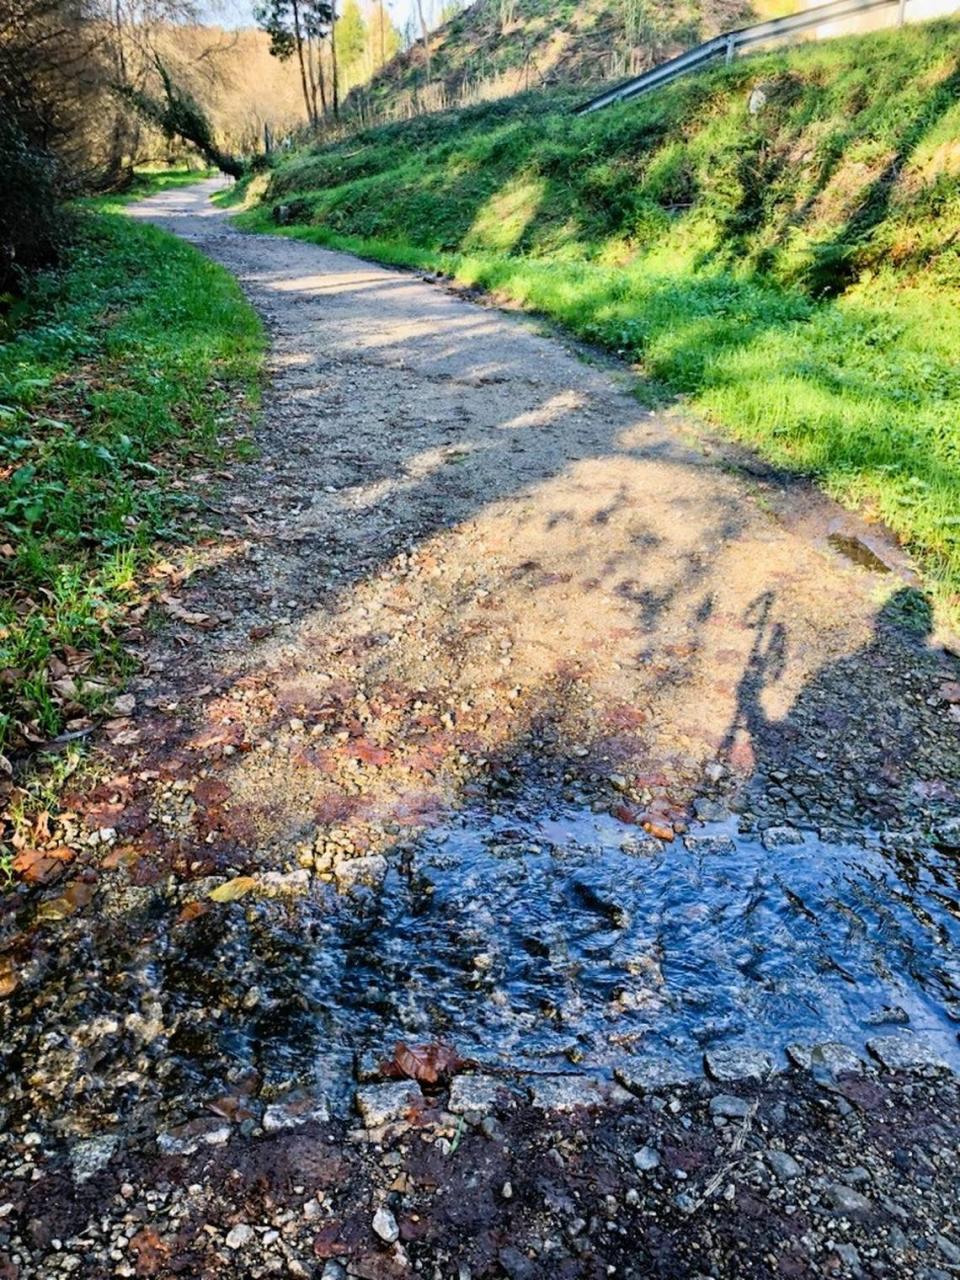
(791, 270)
(137, 357)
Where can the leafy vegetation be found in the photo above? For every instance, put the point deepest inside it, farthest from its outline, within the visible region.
(136, 358)
(774, 241)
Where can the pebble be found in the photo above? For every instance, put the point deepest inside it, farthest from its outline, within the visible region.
(727, 1107)
(239, 1236)
(783, 1165)
(646, 1158)
(385, 1225)
(847, 1201)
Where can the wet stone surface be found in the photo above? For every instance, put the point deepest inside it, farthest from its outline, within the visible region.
(520, 936)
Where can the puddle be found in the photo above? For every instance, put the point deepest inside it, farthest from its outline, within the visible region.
(858, 552)
(519, 937)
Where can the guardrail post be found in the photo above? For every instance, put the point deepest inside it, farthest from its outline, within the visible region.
(902, 13)
(731, 46)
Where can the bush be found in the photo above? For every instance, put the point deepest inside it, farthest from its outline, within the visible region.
(32, 223)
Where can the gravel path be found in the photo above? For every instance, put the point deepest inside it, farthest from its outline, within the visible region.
(469, 575)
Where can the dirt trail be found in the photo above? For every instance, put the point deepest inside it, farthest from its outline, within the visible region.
(455, 511)
(501, 711)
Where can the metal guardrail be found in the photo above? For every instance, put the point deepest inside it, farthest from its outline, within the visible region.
(728, 44)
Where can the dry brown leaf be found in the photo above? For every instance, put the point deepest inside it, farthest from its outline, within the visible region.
(177, 610)
(233, 889)
(424, 1062)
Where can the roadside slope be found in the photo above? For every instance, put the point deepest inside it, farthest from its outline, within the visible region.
(774, 241)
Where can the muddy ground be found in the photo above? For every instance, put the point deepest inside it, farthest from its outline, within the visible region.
(475, 625)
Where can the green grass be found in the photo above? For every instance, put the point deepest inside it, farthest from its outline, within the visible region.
(793, 274)
(136, 359)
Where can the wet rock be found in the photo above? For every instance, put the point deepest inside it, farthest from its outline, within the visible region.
(710, 845)
(889, 1016)
(726, 1065)
(781, 837)
(369, 870)
(239, 1236)
(726, 1106)
(845, 1200)
(381, 1104)
(333, 1270)
(649, 1075)
(91, 1155)
(292, 1114)
(187, 1138)
(292, 884)
(566, 1093)
(646, 1158)
(903, 1052)
(784, 1167)
(473, 1093)
(385, 1225)
(829, 1055)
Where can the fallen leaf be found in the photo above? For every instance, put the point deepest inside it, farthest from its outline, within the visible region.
(177, 610)
(424, 1062)
(8, 979)
(192, 911)
(210, 791)
(233, 889)
(151, 1251)
(40, 865)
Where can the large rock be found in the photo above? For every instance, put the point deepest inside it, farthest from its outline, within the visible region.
(904, 1052)
(474, 1093)
(831, 1055)
(726, 1065)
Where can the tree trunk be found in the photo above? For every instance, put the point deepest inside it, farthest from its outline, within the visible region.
(298, 36)
(426, 37)
(333, 60)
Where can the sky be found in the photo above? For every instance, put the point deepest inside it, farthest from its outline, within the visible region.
(239, 13)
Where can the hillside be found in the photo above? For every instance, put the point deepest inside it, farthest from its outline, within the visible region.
(774, 241)
(494, 48)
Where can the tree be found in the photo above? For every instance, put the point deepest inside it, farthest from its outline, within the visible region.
(383, 39)
(178, 115)
(351, 37)
(299, 27)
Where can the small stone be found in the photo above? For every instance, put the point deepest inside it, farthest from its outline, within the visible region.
(239, 1236)
(646, 1158)
(849, 1257)
(726, 1065)
(380, 1104)
(333, 1270)
(507, 1191)
(783, 1165)
(847, 1201)
(949, 1250)
(727, 1107)
(385, 1225)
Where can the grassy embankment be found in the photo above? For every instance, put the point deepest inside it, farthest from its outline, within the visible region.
(134, 359)
(792, 272)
